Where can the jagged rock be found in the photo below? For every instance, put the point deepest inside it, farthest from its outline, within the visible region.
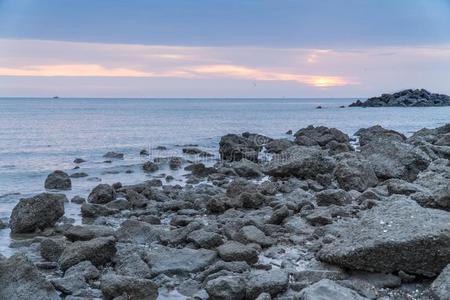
(87, 232)
(79, 161)
(205, 239)
(136, 200)
(277, 146)
(70, 284)
(272, 282)
(395, 235)
(102, 194)
(85, 269)
(175, 163)
(119, 204)
(441, 285)
(51, 249)
(58, 180)
(354, 173)
(226, 287)
(234, 148)
(114, 155)
(38, 212)
(329, 290)
(21, 280)
(320, 135)
(301, 162)
(98, 251)
(114, 286)
(139, 232)
(279, 215)
(374, 133)
(79, 175)
(89, 210)
(235, 251)
(251, 234)
(78, 200)
(332, 196)
(247, 168)
(131, 264)
(150, 167)
(406, 98)
(391, 159)
(166, 260)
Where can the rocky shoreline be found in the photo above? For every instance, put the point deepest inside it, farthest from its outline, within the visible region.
(314, 216)
(406, 98)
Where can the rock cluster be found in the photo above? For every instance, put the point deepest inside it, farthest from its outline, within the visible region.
(319, 220)
(406, 98)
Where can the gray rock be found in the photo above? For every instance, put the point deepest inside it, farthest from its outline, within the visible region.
(374, 133)
(395, 235)
(234, 148)
(235, 251)
(136, 200)
(58, 180)
(89, 210)
(226, 287)
(85, 269)
(102, 194)
(301, 162)
(175, 163)
(277, 146)
(98, 251)
(51, 249)
(279, 215)
(38, 212)
(355, 173)
(70, 284)
(166, 260)
(114, 286)
(87, 232)
(133, 231)
(251, 234)
(319, 135)
(272, 282)
(150, 167)
(332, 196)
(329, 290)
(131, 264)
(406, 98)
(441, 285)
(247, 168)
(391, 159)
(205, 239)
(78, 200)
(119, 204)
(21, 280)
(79, 175)
(114, 155)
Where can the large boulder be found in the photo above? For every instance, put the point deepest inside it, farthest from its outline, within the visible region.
(374, 133)
(87, 232)
(272, 282)
(397, 235)
(37, 213)
(354, 173)
(21, 280)
(392, 159)
(235, 251)
(247, 168)
(326, 289)
(226, 287)
(116, 286)
(406, 98)
(320, 135)
(102, 194)
(58, 180)
(98, 251)
(233, 147)
(301, 162)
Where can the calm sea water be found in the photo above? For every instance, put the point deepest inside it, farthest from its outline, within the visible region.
(38, 136)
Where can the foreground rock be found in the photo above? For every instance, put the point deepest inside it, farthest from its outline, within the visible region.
(102, 194)
(37, 213)
(406, 98)
(441, 285)
(398, 235)
(58, 180)
(329, 290)
(234, 148)
(115, 286)
(21, 280)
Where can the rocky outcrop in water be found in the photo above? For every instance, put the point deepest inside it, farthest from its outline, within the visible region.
(406, 98)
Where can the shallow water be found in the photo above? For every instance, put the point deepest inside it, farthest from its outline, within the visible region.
(38, 136)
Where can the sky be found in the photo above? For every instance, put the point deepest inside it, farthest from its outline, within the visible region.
(223, 48)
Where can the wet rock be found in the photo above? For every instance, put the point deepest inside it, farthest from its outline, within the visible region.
(119, 204)
(315, 271)
(150, 167)
(226, 287)
(329, 290)
(406, 98)
(102, 194)
(379, 280)
(21, 280)
(144, 152)
(319, 135)
(166, 260)
(139, 232)
(136, 200)
(393, 236)
(87, 232)
(150, 219)
(114, 286)
(272, 282)
(205, 239)
(98, 251)
(355, 173)
(319, 217)
(38, 212)
(51, 249)
(89, 210)
(391, 159)
(234, 148)
(251, 200)
(70, 284)
(251, 234)
(235, 251)
(374, 133)
(79, 161)
(277, 146)
(332, 196)
(58, 180)
(279, 215)
(114, 155)
(131, 264)
(199, 170)
(78, 200)
(441, 285)
(301, 162)
(79, 175)
(85, 269)
(246, 168)
(175, 163)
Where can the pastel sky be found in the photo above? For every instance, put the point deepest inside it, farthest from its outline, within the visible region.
(223, 48)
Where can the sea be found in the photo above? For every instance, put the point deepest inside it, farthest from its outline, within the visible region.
(38, 136)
